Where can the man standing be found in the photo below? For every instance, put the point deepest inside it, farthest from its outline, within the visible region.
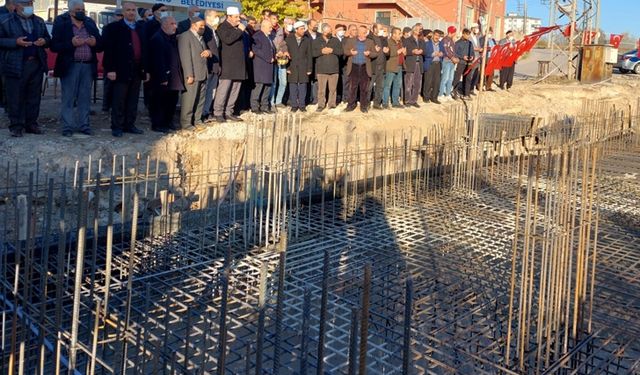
(432, 68)
(107, 86)
(359, 68)
(449, 63)
(506, 73)
(393, 75)
(232, 64)
(151, 27)
(376, 86)
(465, 53)
(184, 25)
(341, 32)
(327, 50)
(312, 93)
(193, 59)
(166, 76)
(282, 60)
(213, 64)
(300, 66)
(351, 33)
(23, 37)
(123, 64)
(7, 8)
(76, 40)
(264, 54)
(477, 50)
(413, 67)
(491, 42)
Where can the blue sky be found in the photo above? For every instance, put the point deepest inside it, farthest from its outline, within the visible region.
(617, 16)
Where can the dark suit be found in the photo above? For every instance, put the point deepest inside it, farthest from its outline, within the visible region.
(264, 54)
(377, 79)
(183, 26)
(461, 82)
(23, 70)
(166, 80)
(233, 68)
(213, 64)
(190, 47)
(432, 70)
(413, 68)
(151, 27)
(300, 64)
(120, 58)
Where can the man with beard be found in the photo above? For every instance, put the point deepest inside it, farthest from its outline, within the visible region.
(193, 58)
(327, 50)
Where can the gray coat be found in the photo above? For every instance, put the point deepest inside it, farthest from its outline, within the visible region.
(190, 49)
(10, 53)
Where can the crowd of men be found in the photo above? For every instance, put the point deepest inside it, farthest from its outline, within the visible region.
(216, 67)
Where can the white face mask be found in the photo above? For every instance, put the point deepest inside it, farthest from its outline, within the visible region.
(196, 14)
(340, 33)
(490, 36)
(27, 11)
(289, 28)
(512, 38)
(164, 14)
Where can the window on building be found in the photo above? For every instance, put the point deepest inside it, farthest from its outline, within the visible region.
(469, 17)
(383, 18)
(497, 28)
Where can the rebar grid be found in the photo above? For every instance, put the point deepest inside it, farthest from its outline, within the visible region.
(182, 292)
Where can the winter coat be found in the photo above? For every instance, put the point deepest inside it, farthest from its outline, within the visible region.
(410, 61)
(62, 34)
(330, 63)
(370, 46)
(428, 53)
(264, 54)
(166, 65)
(301, 59)
(190, 48)
(232, 52)
(11, 56)
(118, 51)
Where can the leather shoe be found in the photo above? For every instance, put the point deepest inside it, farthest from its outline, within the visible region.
(134, 130)
(320, 109)
(303, 109)
(294, 110)
(436, 101)
(16, 133)
(220, 119)
(377, 106)
(416, 105)
(117, 133)
(257, 112)
(67, 133)
(364, 109)
(234, 118)
(268, 111)
(349, 109)
(160, 130)
(33, 130)
(397, 106)
(86, 131)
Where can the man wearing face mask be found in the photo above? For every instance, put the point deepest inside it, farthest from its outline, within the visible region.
(376, 86)
(213, 63)
(491, 42)
(506, 73)
(327, 50)
(233, 66)
(300, 67)
(23, 38)
(76, 39)
(166, 76)
(151, 27)
(312, 91)
(184, 25)
(193, 58)
(7, 8)
(123, 62)
(340, 34)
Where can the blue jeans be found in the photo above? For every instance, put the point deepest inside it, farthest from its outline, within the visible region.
(277, 90)
(76, 90)
(446, 85)
(392, 79)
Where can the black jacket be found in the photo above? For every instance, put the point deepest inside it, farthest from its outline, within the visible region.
(327, 64)
(166, 61)
(11, 56)
(118, 51)
(62, 34)
(213, 63)
(410, 59)
(233, 62)
(379, 62)
(301, 59)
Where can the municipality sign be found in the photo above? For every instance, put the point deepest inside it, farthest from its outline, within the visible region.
(203, 4)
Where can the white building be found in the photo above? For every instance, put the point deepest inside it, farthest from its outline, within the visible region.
(515, 22)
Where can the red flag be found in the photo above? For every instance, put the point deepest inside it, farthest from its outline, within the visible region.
(615, 40)
(493, 58)
(567, 30)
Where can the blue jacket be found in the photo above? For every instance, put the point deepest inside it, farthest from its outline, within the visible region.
(264, 54)
(62, 34)
(428, 52)
(10, 54)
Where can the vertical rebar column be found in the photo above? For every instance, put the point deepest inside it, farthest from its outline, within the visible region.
(279, 315)
(364, 319)
(262, 295)
(304, 343)
(408, 308)
(323, 311)
(353, 342)
(222, 342)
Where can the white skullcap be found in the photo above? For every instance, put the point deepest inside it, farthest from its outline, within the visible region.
(299, 24)
(233, 11)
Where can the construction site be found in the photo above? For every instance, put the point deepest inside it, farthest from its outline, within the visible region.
(494, 236)
(494, 243)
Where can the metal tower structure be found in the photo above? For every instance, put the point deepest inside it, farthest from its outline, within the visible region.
(585, 15)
